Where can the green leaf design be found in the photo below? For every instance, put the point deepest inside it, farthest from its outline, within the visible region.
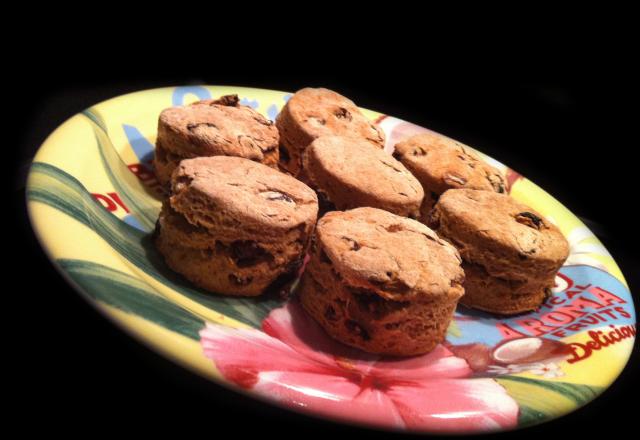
(129, 294)
(528, 416)
(453, 331)
(541, 399)
(56, 188)
(135, 196)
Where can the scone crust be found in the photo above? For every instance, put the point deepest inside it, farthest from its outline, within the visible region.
(314, 112)
(234, 226)
(440, 163)
(343, 169)
(216, 127)
(501, 296)
(381, 282)
(508, 238)
(240, 196)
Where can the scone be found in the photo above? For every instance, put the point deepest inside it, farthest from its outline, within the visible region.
(350, 173)
(511, 253)
(312, 113)
(213, 127)
(235, 226)
(380, 282)
(440, 163)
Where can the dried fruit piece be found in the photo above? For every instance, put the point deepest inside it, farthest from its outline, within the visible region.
(356, 329)
(354, 244)
(227, 100)
(529, 219)
(248, 253)
(343, 113)
(330, 313)
(418, 151)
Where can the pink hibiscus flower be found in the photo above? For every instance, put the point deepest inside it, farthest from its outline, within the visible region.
(294, 362)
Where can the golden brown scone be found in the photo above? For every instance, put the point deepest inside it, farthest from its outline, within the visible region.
(311, 113)
(514, 246)
(440, 163)
(234, 226)
(350, 172)
(220, 127)
(380, 282)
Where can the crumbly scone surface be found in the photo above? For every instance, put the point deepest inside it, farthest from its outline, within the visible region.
(396, 257)
(506, 237)
(345, 169)
(440, 163)
(314, 112)
(240, 196)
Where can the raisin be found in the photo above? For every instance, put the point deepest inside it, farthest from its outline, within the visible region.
(343, 113)
(496, 182)
(330, 313)
(283, 283)
(357, 329)
(529, 219)
(419, 151)
(247, 253)
(226, 100)
(354, 244)
(369, 301)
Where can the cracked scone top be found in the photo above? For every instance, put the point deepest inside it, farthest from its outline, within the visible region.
(507, 238)
(380, 282)
(314, 112)
(394, 257)
(235, 226)
(211, 128)
(227, 192)
(440, 163)
(350, 173)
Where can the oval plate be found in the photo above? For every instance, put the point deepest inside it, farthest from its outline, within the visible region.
(93, 201)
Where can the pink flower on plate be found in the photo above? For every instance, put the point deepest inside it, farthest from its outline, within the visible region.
(295, 363)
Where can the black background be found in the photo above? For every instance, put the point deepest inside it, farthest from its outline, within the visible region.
(567, 121)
